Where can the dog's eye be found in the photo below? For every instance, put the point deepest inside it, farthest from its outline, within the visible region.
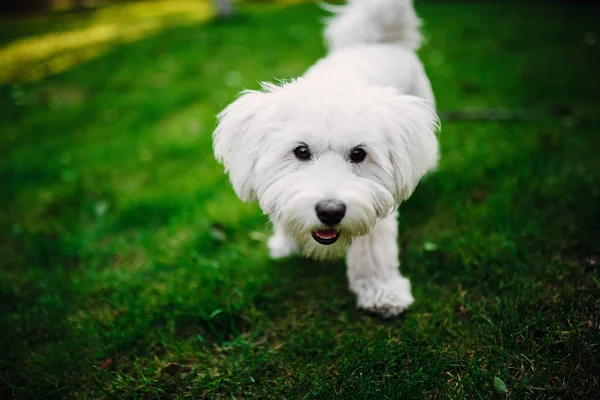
(302, 152)
(357, 155)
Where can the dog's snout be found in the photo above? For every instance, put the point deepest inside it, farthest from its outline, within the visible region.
(330, 212)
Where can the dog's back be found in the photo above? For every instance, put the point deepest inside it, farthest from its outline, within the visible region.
(373, 41)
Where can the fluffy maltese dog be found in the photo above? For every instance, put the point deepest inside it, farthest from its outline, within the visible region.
(331, 154)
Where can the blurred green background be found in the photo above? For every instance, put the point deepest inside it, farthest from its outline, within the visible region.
(130, 269)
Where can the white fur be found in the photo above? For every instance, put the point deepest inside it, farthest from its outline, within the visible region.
(370, 91)
(373, 21)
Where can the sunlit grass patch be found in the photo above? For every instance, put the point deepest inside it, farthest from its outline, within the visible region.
(88, 36)
(47, 47)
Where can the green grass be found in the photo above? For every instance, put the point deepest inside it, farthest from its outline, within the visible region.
(130, 269)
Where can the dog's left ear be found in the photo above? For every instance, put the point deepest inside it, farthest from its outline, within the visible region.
(238, 139)
(412, 126)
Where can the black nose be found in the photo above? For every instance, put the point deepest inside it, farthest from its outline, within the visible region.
(330, 212)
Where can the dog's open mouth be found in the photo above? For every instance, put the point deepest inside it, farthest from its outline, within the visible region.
(326, 236)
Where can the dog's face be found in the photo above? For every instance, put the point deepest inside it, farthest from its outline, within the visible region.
(326, 163)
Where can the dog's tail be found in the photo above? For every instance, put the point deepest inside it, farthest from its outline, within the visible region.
(373, 21)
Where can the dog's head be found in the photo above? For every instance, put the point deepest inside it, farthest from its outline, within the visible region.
(326, 163)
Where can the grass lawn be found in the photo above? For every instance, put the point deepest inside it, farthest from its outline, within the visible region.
(130, 269)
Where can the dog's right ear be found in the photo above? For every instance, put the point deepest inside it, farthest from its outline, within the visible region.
(238, 139)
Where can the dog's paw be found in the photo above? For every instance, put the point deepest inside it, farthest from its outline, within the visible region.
(281, 246)
(388, 299)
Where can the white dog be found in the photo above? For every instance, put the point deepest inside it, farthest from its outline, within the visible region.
(330, 155)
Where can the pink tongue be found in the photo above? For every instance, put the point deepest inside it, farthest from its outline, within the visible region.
(328, 234)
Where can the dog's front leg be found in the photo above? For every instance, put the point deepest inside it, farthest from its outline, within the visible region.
(280, 245)
(373, 270)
